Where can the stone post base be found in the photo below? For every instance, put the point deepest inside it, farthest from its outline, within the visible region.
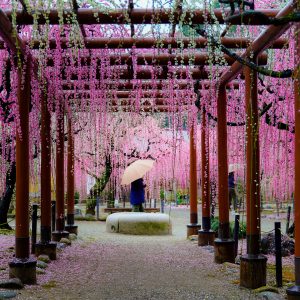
(253, 271)
(72, 229)
(57, 235)
(47, 249)
(206, 237)
(224, 251)
(192, 229)
(293, 293)
(24, 269)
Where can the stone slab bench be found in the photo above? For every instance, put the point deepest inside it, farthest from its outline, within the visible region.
(139, 223)
(128, 209)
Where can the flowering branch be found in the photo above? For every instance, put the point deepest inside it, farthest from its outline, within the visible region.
(282, 74)
(293, 17)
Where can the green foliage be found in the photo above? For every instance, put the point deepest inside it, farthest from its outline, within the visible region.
(110, 198)
(242, 231)
(215, 224)
(181, 196)
(76, 197)
(91, 204)
(162, 194)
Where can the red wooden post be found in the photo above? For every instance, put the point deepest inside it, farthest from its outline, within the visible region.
(60, 177)
(294, 292)
(205, 236)
(22, 162)
(22, 266)
(45, 246)
(253, 264)
(224, 246)
(71, 228)
(193, 227)
(45, 171)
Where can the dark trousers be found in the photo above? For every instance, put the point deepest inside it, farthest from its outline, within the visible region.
(138, 208)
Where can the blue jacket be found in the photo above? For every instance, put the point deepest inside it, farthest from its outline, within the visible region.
(137, 192)
(231, 183)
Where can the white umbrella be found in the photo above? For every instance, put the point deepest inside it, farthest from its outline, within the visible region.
(137, 170)
(234, 167)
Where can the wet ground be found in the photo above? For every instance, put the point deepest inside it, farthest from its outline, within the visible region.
(101, 265)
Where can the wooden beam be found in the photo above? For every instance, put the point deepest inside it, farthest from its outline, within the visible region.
(261, 43)
(11, 38)
(183, 73)
(150, 109)
(149, 43)
(14, 42)
(146, 84)
(145, 94)
(203, 58)
(143, 102)
(138, 16)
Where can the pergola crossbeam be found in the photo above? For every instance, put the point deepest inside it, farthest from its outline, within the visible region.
(261, 43)
(149, 43)
(11, 38)
(89, 16)
(203, 58)
(153, 84)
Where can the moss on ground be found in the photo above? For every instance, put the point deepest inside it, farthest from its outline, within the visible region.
(6, 232)
(288, 273)
(50, 284)
(266, 289)
(147, 228)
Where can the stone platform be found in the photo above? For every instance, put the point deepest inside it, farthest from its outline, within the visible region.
(139, 223)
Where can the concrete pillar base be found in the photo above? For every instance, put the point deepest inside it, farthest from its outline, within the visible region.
(206, 237)
(192, 229)
(72, 229)
(224, 251)
(47, 249)
(57, 235)
(24, 269)
(253, 271)
(293, 293)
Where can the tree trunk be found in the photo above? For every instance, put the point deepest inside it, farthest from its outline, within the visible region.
(5, 200)
(101, 181)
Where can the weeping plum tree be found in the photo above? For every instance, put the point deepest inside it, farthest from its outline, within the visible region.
(128, 140)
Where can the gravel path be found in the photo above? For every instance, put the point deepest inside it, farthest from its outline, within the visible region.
(100, 265)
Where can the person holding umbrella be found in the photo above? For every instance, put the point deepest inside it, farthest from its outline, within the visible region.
(133, 175)
(137, 195)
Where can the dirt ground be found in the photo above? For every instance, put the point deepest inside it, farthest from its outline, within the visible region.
(102, 265)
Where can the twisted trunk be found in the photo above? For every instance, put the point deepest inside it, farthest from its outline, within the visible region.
(5, 200)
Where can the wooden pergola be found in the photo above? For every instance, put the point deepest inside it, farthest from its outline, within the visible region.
(253, 265)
